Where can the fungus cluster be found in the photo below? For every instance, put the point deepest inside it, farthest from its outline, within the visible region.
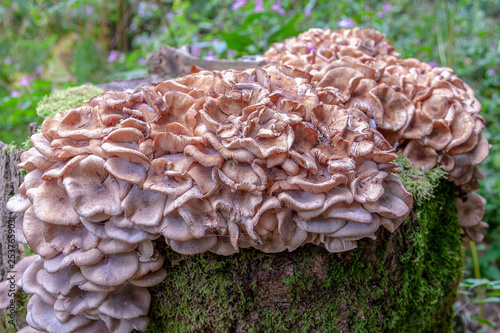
(428, 114)
(272, 158)
(213, 161)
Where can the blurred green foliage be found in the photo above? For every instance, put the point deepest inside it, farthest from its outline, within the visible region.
(49, 44)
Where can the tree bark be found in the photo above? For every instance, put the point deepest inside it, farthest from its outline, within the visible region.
(9, 185)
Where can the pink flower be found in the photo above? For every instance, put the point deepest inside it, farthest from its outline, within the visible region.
(210, 55)
(15, 94)
(259, 6)
(195, 51)
(277, 8)
(25, 81)
(238, 4)
(89, 10)
(113, 56)
(346, 22)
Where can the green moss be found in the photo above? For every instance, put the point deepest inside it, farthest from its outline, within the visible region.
(403, 282)
(420, 184)
(65, 99)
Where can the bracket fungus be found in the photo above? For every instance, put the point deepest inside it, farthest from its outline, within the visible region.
(271, 158)
(428, 114)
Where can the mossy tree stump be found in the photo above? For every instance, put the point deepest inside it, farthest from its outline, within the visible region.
(401, 282)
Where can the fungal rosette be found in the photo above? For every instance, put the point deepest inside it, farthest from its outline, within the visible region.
(428, 114)
(213, 161)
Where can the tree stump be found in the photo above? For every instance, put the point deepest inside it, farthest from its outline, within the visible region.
(401, 282)
(9, 185)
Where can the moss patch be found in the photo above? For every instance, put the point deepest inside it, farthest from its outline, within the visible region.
(402, 282)
(421, 184)
(65, 99)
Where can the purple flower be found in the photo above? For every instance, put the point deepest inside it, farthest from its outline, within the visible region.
(15, 94)
(277, 8)
(20, 105)
(346, 22)
(311, 48)
(307, 13)
(238, 3)
(231, 53)
(259, 6)
(433, 63)
(8, 60)
(379, 14)
(195, 51)
(457, 30)
(493, 47)
(25, 81)
(14, 7)
(89, 10)
(210, 55)
(491, 72)
(142, 61)
(387, 7)
(113, 56)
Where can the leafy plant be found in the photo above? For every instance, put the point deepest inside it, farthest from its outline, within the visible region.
(479, 291)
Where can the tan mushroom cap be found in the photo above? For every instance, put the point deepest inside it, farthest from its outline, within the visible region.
(126, 302)
(114, 270)
(41, 316)
(470, 211)
(92, 192)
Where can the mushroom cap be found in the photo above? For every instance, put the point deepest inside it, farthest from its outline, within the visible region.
(90, 189)
(43, 317)
(126, 302)
(114, 270)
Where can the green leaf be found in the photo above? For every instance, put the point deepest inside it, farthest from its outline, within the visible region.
(287, 30)
(488, 300)
(473, 283)
(236, 40)
(483, 321)
(249, 20)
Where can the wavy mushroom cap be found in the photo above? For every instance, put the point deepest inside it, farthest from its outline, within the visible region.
(429, 114)
(214, 161)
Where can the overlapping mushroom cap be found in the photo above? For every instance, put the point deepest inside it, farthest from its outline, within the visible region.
(213, 161)
(429, 114)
